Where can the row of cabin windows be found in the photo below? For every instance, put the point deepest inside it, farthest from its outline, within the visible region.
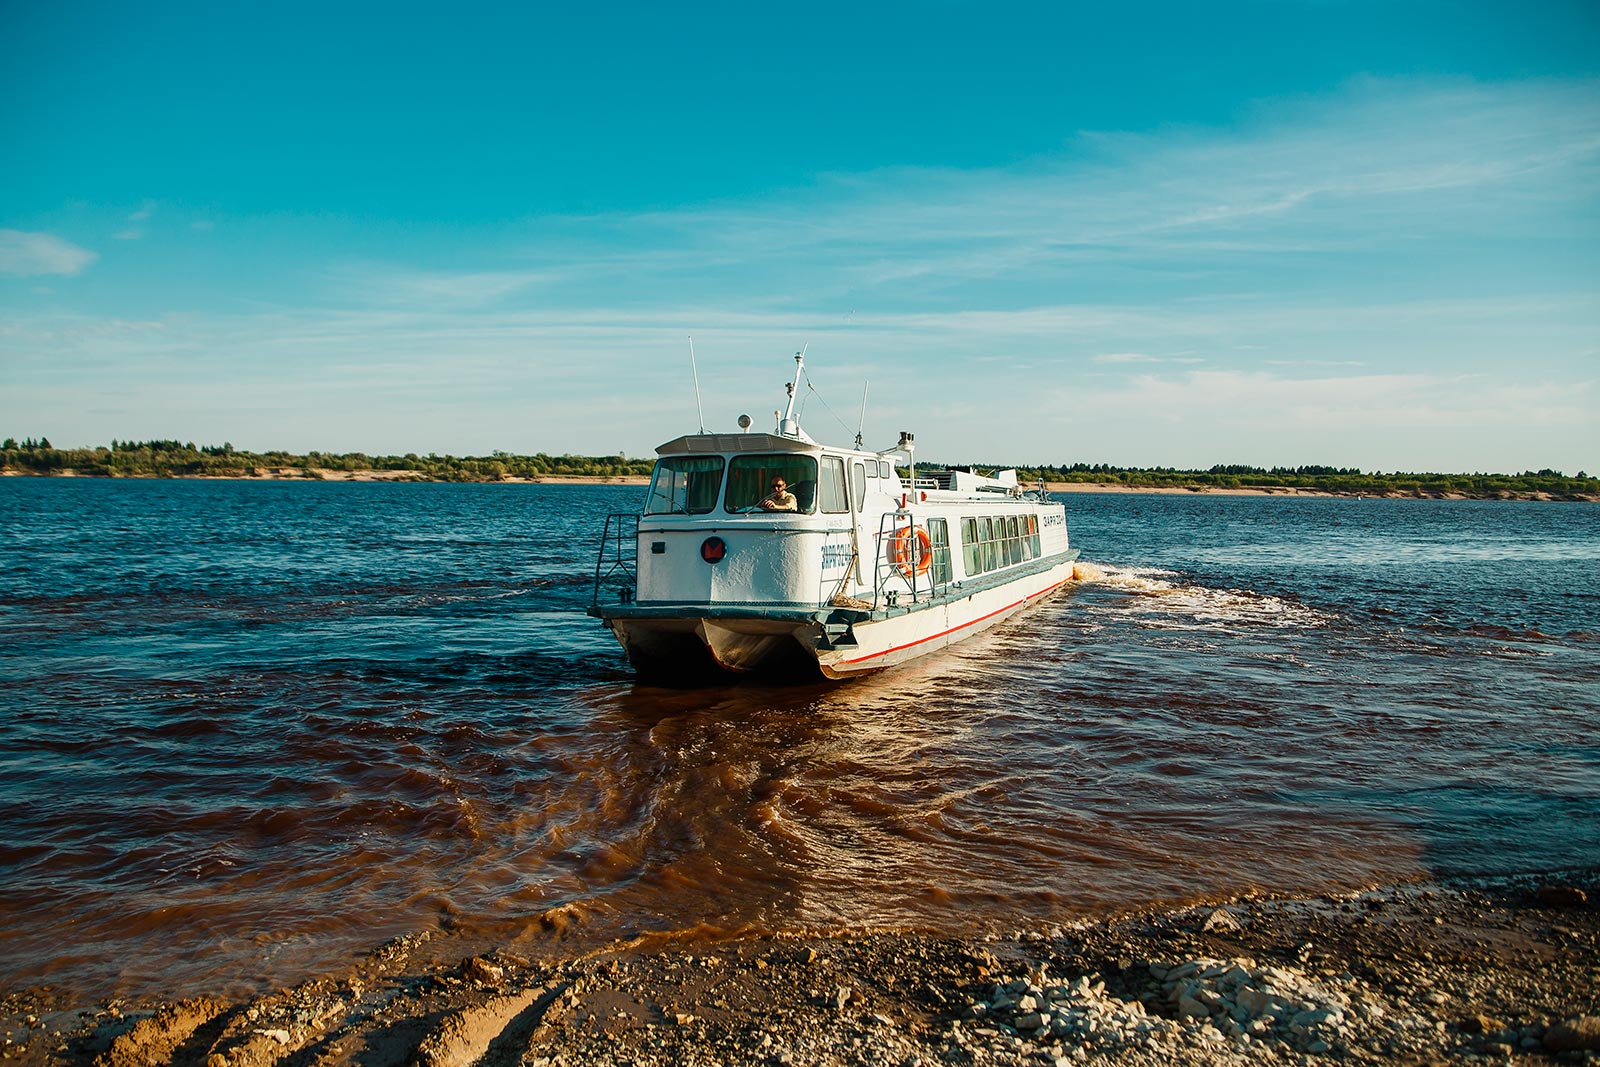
(689, 485)
(992, 542)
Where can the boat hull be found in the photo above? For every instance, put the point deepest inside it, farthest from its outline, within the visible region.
(686, 640)
(898, 638)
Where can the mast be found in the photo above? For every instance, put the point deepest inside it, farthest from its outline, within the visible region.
(788, 427)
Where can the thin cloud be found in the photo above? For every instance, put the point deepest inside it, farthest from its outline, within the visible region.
(387, 285)
(1381, 164)
(25, 254)
(137, 230)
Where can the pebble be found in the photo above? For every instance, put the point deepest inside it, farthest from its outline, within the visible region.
(1561, 896)
(1578, 1034)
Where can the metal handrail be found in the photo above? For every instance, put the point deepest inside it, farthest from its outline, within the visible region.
(624, 544)
(890, 522)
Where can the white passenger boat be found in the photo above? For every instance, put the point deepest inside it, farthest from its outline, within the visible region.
(849, 566)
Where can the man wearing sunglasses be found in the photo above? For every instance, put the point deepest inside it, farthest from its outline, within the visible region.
(781, 499)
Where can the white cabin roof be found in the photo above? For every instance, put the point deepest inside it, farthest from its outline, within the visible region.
(735, 442)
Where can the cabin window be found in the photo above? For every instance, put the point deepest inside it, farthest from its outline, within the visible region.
(858, 476)
(1033, 534)
(883, 468)
(684, 485)
(1013, 542)
(1024, 538)
(835, 498)
(986, 529)
(971, 548)
(750, 481)
(939, 534)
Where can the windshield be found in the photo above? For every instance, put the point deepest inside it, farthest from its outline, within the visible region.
(684, 485)
(751, 481)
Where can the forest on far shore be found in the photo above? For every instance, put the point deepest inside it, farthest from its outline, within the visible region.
(178, 459)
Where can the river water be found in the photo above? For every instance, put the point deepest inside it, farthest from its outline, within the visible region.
(249, 730)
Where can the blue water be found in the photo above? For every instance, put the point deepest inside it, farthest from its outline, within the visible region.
(249, 729)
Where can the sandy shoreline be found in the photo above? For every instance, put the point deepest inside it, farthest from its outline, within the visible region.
(1502, 970)
(299, 474)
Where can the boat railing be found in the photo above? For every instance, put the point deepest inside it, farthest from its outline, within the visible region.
(888, 574)
(615, 564)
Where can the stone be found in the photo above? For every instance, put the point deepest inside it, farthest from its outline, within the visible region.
(1481, 1024)
(1578, 1034)
(1561, 896)
(1220, 919)
(479, 969)
(1255, 1002)
(1190, 1008)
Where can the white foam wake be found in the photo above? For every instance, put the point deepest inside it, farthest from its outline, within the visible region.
(1170, 601)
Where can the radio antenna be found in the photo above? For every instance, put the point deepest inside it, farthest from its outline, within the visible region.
(862, 424)
(696, 372)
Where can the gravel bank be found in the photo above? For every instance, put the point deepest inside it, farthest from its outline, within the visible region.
(1499, 971)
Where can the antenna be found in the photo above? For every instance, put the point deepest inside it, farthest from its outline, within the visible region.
(696, 372)
(860, 425)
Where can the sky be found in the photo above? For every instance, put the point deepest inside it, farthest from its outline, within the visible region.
(1275, 233)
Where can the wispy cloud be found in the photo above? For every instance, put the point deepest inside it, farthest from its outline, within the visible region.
(23, 253)
(1416, 421)
(1388, 168)
(388, 285)
(136, 229)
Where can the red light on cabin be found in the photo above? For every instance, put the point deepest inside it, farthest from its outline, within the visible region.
(712, 549)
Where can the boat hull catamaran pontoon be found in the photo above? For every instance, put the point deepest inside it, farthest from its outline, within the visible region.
(764, 551)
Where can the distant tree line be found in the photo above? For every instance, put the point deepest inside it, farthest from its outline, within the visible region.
(1347, 480)
(183, 459)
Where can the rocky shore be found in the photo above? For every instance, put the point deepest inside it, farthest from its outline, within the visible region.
(1471, 972)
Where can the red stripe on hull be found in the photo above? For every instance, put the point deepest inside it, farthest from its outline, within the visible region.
(963, 626)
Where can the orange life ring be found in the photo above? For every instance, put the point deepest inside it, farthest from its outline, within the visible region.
(901, 554)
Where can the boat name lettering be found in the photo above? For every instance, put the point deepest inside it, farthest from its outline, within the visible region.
(1053, 520)
(835, 554)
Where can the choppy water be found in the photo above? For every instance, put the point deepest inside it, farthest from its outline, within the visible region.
(251, 729)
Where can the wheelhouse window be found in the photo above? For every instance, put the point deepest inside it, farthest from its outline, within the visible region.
(835, 498)
(858, 483)
(684, 485)
(750, 481)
